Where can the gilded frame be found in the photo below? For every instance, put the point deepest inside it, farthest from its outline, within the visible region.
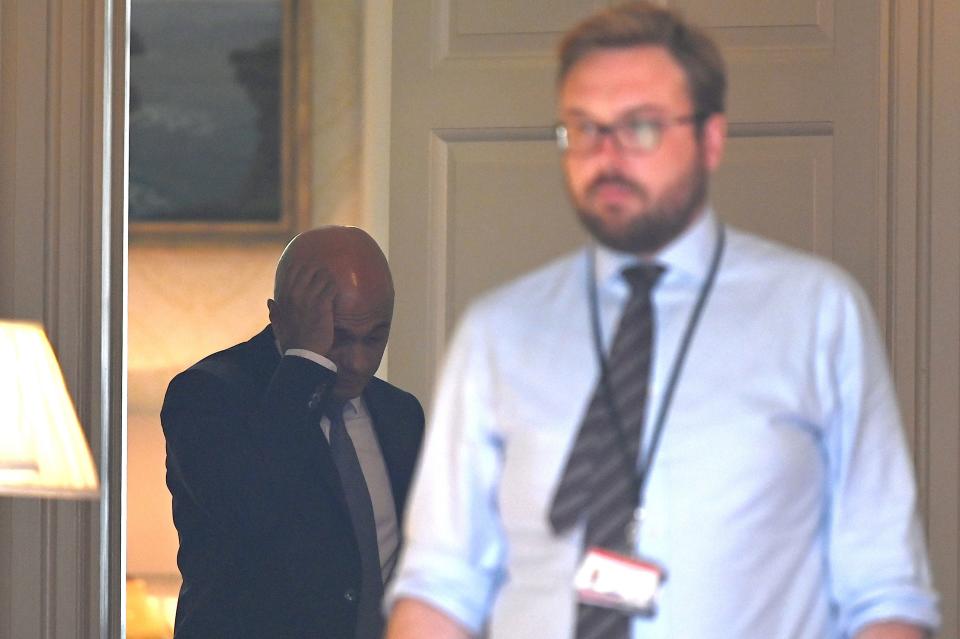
(295, 148)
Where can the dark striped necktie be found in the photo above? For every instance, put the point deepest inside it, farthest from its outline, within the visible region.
(598, 483)
(369, 618)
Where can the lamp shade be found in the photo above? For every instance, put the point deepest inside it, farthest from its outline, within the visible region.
(43, 452)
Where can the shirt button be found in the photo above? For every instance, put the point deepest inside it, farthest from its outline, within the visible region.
(350, 595)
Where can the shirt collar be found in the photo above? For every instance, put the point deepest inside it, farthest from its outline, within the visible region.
(354, 407)
(686, 258)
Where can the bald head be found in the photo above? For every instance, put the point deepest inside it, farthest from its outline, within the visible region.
(349, 254)
(335, 277)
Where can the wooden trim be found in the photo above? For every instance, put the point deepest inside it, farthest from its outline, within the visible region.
(54, 56)
(112, 547)
(923, 274)
(941, 20)
(902, 308)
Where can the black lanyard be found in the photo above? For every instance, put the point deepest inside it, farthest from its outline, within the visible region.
(641, 474)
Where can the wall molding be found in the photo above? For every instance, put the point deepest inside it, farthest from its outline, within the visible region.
(921, 272)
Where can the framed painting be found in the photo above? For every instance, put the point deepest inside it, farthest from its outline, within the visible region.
(219, 117)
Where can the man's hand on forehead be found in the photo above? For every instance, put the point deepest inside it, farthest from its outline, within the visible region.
(302, 314)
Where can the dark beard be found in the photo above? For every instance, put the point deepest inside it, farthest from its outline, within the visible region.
(661, 223)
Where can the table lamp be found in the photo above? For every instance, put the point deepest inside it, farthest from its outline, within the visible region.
(43, 451)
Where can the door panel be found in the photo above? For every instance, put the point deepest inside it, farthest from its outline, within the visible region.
(495, 28)
(780, 187)
(486, 228)
(744, 15)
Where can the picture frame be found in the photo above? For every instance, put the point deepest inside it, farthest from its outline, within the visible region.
(220, 118)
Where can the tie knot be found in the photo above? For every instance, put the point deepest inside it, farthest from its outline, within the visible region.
(642, 277)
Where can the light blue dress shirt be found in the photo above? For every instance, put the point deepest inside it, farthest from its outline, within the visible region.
(781, 501)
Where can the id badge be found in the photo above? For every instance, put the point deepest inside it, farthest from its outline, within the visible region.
(611, 580)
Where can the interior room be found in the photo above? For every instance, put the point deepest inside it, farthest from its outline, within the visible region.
(429, 123)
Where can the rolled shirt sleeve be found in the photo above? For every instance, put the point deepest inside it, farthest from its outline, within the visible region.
(454, 546)
(876, 551)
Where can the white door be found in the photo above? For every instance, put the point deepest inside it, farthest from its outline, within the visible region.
(476, 192)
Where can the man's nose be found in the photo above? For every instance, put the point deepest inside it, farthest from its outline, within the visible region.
(355, 358)
(608, 150)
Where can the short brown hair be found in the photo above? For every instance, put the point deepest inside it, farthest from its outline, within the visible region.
(645, 24)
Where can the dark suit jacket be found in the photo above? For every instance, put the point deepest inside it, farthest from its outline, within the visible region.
(266, 545)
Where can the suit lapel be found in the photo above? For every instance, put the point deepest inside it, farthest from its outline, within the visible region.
(392, 434)
(328, 471)
(268, 357)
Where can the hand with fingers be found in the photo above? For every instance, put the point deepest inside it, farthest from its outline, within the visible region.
(302, 314)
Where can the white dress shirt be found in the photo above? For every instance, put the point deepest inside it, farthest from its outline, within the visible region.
(781, 502)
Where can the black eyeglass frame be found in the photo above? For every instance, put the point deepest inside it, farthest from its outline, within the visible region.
(618, 131)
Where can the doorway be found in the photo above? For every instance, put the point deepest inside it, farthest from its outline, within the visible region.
(199, 269)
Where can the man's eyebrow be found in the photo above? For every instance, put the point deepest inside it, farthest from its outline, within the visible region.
(348, 330)
(641, 110)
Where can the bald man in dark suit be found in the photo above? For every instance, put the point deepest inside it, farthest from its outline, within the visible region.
(272, 543)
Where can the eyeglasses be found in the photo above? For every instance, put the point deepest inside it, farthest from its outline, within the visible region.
(632, 134)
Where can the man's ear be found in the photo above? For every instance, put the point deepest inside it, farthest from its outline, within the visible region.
(714, 137)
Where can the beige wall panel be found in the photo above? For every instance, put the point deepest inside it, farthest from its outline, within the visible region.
(783, 85)
(507, 211)
(478, 28)
(780, 188)
(151, 538)
(750, 13)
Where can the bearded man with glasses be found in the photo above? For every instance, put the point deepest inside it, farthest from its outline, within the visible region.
(681, 431)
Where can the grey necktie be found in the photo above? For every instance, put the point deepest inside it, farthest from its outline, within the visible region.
(369, 619)
(598, 482)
